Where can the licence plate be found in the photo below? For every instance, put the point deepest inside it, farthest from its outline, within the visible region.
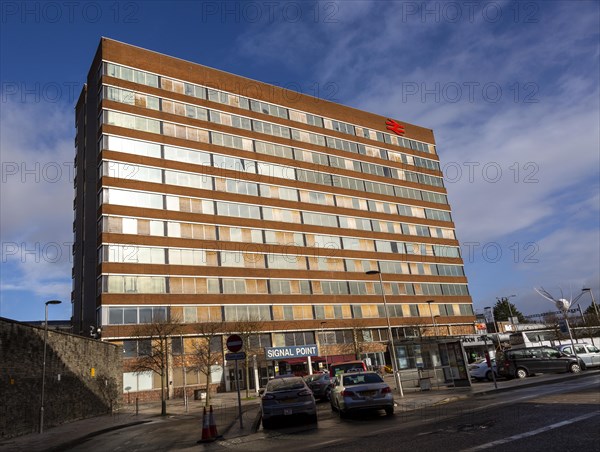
(368, 393)
(287, 411)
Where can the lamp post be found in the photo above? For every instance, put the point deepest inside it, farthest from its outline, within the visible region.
(44, 363)
(505, 300)
(434, 322)
(389, 327)
(432, 318)
(184, 370)
(324, 343)
(564, 306)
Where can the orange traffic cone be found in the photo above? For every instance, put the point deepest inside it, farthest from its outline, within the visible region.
(206, 430)
(212, 424)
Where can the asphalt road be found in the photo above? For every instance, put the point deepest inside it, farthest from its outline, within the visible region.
(561, 416)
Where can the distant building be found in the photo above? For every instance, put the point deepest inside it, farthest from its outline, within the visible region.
(205, 196)
(56, 325)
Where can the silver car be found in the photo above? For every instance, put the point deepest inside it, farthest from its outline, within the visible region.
(356, 391)
(589, 354)
(287, 397)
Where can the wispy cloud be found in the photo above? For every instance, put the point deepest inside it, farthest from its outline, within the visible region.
(514, 106)
(36, 210)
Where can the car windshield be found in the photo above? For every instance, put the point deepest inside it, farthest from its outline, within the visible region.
(350, 380)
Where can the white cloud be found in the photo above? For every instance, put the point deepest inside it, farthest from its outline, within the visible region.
(36, 213)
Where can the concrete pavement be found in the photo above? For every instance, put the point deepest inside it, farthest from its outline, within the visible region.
(225, 408)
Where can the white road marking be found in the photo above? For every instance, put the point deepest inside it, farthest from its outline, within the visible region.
(532, 432)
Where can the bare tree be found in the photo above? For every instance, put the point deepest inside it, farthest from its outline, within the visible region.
(356, 346)
(246, 329)
(154, 352)
(207, 350)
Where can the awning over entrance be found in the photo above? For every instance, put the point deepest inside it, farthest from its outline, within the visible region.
(291, 361)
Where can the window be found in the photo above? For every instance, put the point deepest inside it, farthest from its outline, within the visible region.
(135, 348)
(138, 381)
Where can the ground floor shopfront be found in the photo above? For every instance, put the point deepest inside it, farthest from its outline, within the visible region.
(441, 360)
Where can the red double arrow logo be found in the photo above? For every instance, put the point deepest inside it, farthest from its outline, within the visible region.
(392, 125)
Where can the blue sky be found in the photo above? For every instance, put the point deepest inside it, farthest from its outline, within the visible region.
(511, 90)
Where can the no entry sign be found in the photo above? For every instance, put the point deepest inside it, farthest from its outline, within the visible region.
(234, 343)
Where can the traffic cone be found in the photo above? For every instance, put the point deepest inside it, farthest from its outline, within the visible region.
(212, 425)
(206, 430)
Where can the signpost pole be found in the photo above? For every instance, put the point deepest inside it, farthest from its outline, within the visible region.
(237, 379)
(234, 344)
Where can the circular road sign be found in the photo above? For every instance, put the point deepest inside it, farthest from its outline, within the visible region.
(234, 343)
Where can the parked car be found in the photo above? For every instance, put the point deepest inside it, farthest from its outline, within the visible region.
(522, 362)
(347, 366)
(287, 396)
(479, 370)
(589, 354)
(320, 384)
(356, 391)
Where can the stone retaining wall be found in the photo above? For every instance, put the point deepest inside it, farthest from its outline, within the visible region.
(83, 377)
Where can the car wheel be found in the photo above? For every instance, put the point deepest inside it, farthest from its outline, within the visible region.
(343, 414)
(488, 375)
(521, 373)
(389, 411)
(313, 419)
(328, 394)
(574, 368)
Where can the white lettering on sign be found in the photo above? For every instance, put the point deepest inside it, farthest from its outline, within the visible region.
(291, 352)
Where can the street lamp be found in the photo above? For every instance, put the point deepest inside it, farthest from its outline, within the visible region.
(44, 363)
(432, 318)
(505, 300)
(389, 327)
(325, 343)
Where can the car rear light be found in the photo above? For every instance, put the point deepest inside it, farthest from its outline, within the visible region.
(305, 392)
(347, 393)
(386, 390)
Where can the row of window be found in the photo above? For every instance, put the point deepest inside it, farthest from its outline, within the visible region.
(246, 103)
(203, 181)
(205, 114)
(194, 285)
(116, 196)
(144, 124)
(238, 165)
(121, 315)
(164, 228)
(135, 254)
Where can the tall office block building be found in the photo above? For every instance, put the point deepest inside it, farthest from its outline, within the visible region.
(205, 196)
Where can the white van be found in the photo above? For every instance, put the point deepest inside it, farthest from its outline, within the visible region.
(589, 354)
